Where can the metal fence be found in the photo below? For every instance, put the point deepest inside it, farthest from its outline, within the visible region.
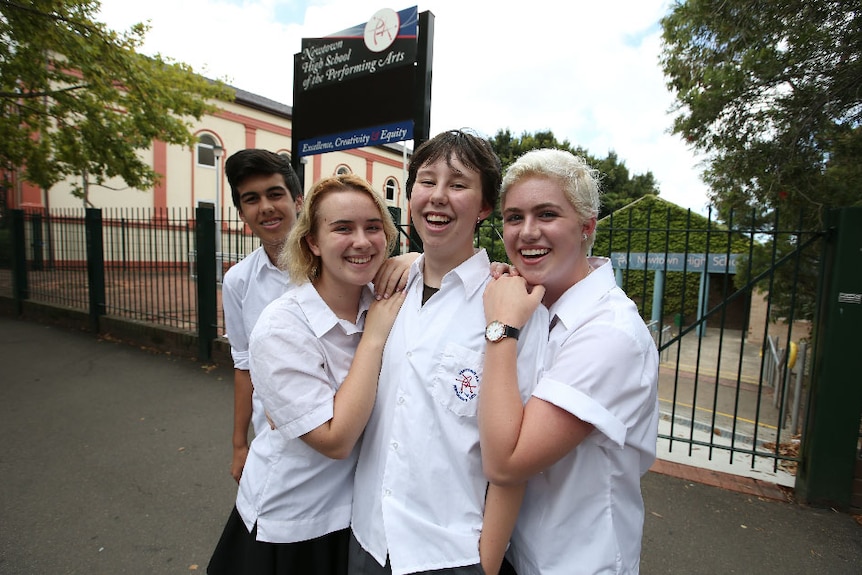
(149, 259)
(718, 296)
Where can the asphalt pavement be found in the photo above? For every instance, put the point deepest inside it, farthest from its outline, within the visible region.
(115, 460)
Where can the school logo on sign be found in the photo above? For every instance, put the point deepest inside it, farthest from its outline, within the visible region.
(381, 30)
(466, 385)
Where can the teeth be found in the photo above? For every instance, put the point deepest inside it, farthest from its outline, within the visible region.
(534, 252)
(437, 219)
(270, 223)
(359, 260)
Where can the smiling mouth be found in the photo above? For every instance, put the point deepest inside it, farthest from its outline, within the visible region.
(356, 260)
(270, 223)
(534, 253)
(437, 219)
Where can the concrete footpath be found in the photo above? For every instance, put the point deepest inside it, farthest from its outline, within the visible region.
(115, 460)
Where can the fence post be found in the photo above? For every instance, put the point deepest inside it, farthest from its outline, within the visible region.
(825, 475)
(205, 262)
(20, 289)
(95, 265)
(38, 243)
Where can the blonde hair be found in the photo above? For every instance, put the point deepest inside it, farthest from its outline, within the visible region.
(579, 181)
(296, 256)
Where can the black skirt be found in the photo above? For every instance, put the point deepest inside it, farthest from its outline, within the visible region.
(507, 569)
(239, 553)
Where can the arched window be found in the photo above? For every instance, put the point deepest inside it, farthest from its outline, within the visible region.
(343, 169)
(204, 150)
(390, 187)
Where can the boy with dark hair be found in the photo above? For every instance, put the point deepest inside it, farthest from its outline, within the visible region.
(267, 194)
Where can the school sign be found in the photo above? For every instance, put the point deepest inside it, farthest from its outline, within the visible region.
(358, 87)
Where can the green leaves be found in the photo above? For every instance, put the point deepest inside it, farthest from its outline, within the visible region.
(759, 86)
(78, 100)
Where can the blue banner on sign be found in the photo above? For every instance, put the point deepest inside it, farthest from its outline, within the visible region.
(373, 136)
(714, 263)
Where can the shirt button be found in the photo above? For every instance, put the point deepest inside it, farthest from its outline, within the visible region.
(387, 492)
(395, 445)
(401, 400)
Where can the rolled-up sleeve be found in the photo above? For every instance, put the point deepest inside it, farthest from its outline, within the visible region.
(596, 375)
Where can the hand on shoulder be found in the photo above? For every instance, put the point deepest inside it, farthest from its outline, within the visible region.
(510, 300)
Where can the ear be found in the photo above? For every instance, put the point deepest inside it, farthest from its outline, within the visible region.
(241, 215)
(312, 244)
(298, 201)
(590, 226)
(485, 211)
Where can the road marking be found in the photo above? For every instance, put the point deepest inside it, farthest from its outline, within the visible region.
(729, 416)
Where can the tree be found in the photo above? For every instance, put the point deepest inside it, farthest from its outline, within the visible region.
(771, 92)
(619, 188)
(78, 100)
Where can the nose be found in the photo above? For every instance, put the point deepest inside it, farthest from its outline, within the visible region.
(529, 229)
(361, 240)
(438, 195)
(266, 204)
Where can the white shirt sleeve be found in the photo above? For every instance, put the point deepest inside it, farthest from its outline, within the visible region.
(596, 376)
(290, 371)
(231, 293)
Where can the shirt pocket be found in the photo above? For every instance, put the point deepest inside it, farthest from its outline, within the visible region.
(457, 379)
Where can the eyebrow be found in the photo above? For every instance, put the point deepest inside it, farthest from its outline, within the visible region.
(452, 169)
(542, 206)
(349, 221)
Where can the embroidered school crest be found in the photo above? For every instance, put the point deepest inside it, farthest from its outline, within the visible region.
(466, 384)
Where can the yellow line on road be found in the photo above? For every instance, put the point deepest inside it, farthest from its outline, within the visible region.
(692, 369)
(705, 410)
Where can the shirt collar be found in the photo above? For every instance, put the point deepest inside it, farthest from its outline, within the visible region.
(584, 295)
(473, 273)
(264, 265)
(321, 318)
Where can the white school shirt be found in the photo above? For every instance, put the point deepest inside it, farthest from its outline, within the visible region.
(247, 287)
(420, 470)
(584, 514)
(300, 354)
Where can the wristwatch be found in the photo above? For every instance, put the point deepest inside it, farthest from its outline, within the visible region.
(496, 331)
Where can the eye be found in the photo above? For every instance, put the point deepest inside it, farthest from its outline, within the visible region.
(547, 215)
(249, 199)
(277, 195)
(513, 218)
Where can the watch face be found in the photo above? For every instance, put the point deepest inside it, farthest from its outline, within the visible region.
(494, 331)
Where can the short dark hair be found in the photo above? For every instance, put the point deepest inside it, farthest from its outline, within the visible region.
(471, 150)
(256, 162)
